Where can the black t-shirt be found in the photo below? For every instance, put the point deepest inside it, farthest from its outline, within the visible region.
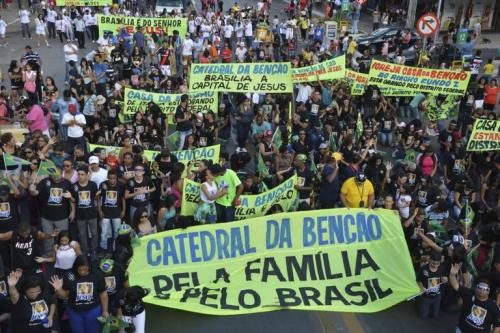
(140, 200)
(477, 316)
(114, 281)
(131, 308)
(27, 315)
(111, 199)
(55, 207)
(431, 280)
(304, 178)
(179, 114)
(24, 251)
(9, 216)
(84, 291)
(445, 136)
(85, 200)
(426, 196)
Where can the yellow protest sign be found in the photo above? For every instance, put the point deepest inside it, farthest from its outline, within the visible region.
(485, 135)
(250, 206)
(347, 260)
(435, 81)
(150, 25)
(210, 153)
(358, 82)
(84, 3)
(137, 100)
(247, 77)
(327, 70)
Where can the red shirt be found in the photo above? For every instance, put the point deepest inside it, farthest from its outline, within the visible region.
(490, 94)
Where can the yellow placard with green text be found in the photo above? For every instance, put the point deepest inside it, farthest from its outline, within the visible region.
(138, 100)
(485, 135)
(436, 81)
(344, 260)
(327, 70)
(150, 25)
(210, 153)
(245, 77)
(84, 3)
(250, 206)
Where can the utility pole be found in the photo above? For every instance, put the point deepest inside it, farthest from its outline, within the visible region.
(410, 18)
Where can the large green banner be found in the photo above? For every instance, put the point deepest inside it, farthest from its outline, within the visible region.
(345, 260)
(436, 81)
(327, 70)
(210, 153)
(250, 206)
(84, 3)
(485, 135)
(150, 25)
(138, 100)
(247, 77)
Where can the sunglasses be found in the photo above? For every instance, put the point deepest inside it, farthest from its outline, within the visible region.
(483, 288)
(144, 216)
(139, 170)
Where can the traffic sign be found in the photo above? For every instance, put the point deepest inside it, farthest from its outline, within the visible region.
(427, 24)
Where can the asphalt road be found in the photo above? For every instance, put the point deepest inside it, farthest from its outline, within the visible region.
(401, 318)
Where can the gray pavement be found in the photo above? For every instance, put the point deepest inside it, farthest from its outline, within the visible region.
(401, 318)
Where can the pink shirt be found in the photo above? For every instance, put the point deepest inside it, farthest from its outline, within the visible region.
(427, 165)
(38, 119)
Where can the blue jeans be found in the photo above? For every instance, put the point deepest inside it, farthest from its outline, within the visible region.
(385, 138)
(85, 321)
(109, 229)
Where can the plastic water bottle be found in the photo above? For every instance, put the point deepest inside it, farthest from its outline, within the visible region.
(45, 321)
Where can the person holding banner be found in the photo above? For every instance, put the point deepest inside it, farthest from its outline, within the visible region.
(430, 278)
(226, 180)
(209, 193)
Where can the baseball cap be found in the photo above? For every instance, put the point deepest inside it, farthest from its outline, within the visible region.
(106, 265)
(268, 133)
(301, 157)
(72, 108)
(324, 145)
(124, 229)
(93, 160)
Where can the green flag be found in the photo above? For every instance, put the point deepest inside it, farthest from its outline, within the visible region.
(11, 160)
(471, 257)
(359, 126)
(112, 324)
(332, 142)
(172, 140)
(47, 167)
(261, 166)
(277, 138)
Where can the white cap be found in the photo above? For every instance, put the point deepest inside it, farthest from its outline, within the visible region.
(93, 160)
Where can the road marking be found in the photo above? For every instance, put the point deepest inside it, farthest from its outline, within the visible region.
(326, 323)
(17, 19)
(352, 322)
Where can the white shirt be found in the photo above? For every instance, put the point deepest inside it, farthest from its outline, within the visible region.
(99, 176)
(3, 25)
(248, 29)
(187, 47)
(69, 48)
(240, 53)
(212, 189)
(79, 25)
(24, 15)
(228, 31)
(74, 131)
(93, 20)
(304, 92)
(86, 19)
(51, 15)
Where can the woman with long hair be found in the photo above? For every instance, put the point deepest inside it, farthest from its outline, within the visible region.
(16, 80)
(40, 30)
(29, 79)
(141, 223)
(86, 294)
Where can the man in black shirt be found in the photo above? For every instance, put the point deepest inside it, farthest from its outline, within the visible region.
(183, 120)
(139, 190)
(305, 179)
(429, 279)
(9, 217)
(480, 313)
(111, 205)
(56, 207)
(83, 194)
